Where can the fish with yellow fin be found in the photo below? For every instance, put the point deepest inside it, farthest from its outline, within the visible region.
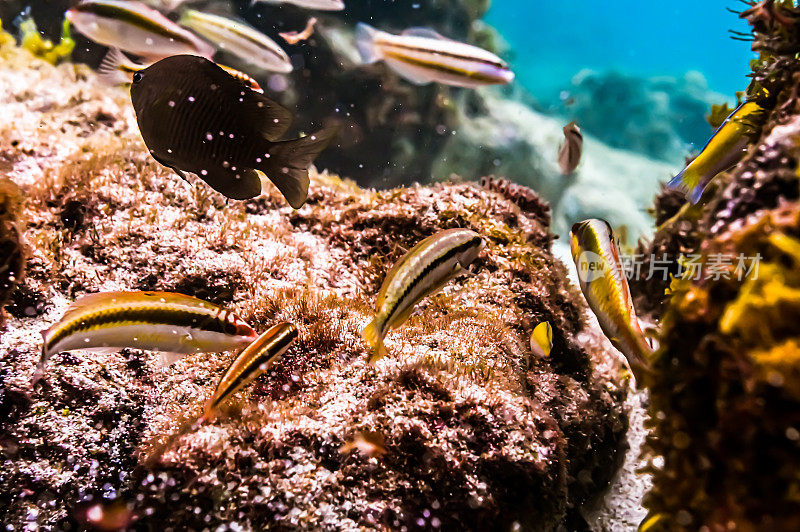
(723, 150)
(174, 324)
(542, 339)
(422, 271)
(603, 283)
(254, 360)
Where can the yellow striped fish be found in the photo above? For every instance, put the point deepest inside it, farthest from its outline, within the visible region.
(239, 39)
(422, 271)
(254, 360)
(605, 288)
(135, 28)
(117, 69)
(172, 323)
(542, 339)
(725, 148)
(423, 56)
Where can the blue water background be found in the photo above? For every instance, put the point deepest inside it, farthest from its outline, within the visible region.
(552, 40)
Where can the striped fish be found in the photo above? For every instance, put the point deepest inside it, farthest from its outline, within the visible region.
(254, 360)
(135, 28)
(423, 56)
(117, 69)
(422, 271)
(542, 339)
(725, 148)
(239, 39)
(605, 288)
(172, 323)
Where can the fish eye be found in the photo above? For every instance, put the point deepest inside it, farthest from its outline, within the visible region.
(137, 77)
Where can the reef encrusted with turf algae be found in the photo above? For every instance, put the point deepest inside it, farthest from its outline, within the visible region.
(475, 432)
(725, 394)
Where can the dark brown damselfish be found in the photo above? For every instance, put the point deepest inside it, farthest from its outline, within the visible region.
(195, 117)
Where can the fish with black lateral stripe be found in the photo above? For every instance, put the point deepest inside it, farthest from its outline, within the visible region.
(422, 271)
(195, 117)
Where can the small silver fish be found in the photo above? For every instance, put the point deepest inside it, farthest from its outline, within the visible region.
(319, 5)
(422, 271)
(135, 28)
(239, 39)
(254, 360)
(423, 56)
(569, 154)
(174, 324)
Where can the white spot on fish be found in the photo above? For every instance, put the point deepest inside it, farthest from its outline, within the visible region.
(209, 136)
(171, 103)
(203, 172)
(230, 136)
(225, 164)
(191, 98)
(258, 159)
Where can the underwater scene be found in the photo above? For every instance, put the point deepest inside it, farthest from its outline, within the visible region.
(399, 265)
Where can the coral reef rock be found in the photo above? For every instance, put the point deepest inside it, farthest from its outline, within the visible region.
(470, 430)
(660, 117)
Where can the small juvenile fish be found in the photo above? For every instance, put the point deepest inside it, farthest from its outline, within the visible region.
(117, 69)
(294, 37)
(369, 443)
(135, 28)
(239, 39)
(174, 324)
(423, 56)
(569, 154)
(422, 271)
(542, 339)
(194, 117)
(725, 148)
(319, 5)
(605, 288)
(254, 360)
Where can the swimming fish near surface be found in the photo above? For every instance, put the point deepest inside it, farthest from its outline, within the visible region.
(319, 5)
(422, 271)
(542, 339)
(194, 117)
(569, 154)
(254, 360)
(135, 28)
(239, 39)
(423, 56)
(603, 283)
(117, 69)
(174, 324)
(725, 148)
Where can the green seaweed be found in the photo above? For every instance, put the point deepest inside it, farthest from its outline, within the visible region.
(44, 48)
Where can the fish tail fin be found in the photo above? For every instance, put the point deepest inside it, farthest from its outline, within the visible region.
(40, 367)
(373, 337)
(111, 67)
(365, 41)
(288, 162)
(693, 187)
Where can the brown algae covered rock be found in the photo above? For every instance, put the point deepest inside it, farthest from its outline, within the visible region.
(724, 396)
(459, 426)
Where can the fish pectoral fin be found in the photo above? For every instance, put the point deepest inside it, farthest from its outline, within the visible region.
(167, 358)
(403, 317)
(408, 72)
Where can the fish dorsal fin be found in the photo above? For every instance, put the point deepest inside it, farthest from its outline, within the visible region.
(426, 33)
(87, 300)
(275, 118)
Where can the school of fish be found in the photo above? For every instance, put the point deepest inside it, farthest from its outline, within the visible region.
(197, 116)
